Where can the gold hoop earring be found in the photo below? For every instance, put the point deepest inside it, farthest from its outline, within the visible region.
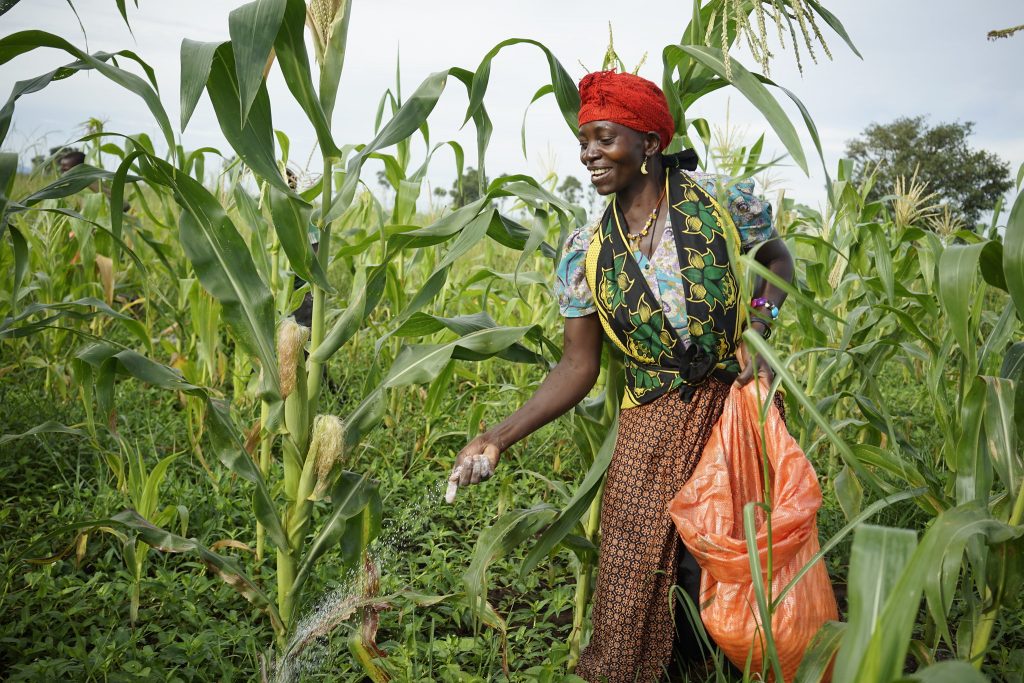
(643, 166)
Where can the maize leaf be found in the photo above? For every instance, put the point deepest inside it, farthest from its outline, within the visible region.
(252, 28)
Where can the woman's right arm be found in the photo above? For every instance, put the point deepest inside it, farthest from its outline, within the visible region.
(567, 384)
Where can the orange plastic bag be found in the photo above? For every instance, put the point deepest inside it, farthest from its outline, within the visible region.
(708, 512)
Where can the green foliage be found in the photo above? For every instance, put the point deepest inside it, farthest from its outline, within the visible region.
(192, 626)
(968, 180)
(936, 314)
(903, 382)
(69, 618)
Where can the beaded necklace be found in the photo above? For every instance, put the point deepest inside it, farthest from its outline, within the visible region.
(635, 238)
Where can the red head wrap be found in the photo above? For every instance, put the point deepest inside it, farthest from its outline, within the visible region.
(626, 99)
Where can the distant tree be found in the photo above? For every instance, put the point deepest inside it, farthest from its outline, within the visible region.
(468, 190)
(439, 196)
(571, 189)
(594, 202)
(1004, 32)
(969, 181)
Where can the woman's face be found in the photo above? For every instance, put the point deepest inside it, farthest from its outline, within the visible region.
(612, 153)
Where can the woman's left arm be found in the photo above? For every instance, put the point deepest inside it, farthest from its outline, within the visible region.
(776, 257)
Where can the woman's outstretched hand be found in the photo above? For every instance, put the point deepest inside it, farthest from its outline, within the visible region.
(564, 387)
(474, 463)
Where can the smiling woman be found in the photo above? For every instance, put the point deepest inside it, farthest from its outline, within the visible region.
(653, 274)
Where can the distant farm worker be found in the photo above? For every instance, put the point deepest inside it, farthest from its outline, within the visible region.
(653, 275)
(70, 158)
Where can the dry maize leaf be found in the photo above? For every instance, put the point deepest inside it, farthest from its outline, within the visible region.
(81, 546)
(105, 269)
(230, 543)
(252, 438)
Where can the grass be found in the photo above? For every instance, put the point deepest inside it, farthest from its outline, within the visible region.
(69, 620)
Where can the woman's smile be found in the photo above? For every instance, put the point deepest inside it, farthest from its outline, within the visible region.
(599, 174)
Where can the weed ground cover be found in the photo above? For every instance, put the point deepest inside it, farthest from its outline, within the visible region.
(69, 620)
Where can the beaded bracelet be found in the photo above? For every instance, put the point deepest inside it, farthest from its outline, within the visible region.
(763, 303)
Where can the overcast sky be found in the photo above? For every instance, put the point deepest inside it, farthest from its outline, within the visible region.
(919, 57)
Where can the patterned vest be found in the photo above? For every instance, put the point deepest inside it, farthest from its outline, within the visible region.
(657, 359)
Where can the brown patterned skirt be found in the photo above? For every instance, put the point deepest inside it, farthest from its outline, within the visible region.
(657, 450)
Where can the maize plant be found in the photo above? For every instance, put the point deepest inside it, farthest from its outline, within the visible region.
(245, 251)
(879, 294)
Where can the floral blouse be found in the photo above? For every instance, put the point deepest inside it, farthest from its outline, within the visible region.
(753, 219)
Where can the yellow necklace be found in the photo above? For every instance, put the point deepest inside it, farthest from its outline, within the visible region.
(635, 238)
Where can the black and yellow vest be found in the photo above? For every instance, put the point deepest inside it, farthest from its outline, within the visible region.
(657, 360)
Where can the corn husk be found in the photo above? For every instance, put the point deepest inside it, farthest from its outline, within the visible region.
(291, 339)
(326, 449)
